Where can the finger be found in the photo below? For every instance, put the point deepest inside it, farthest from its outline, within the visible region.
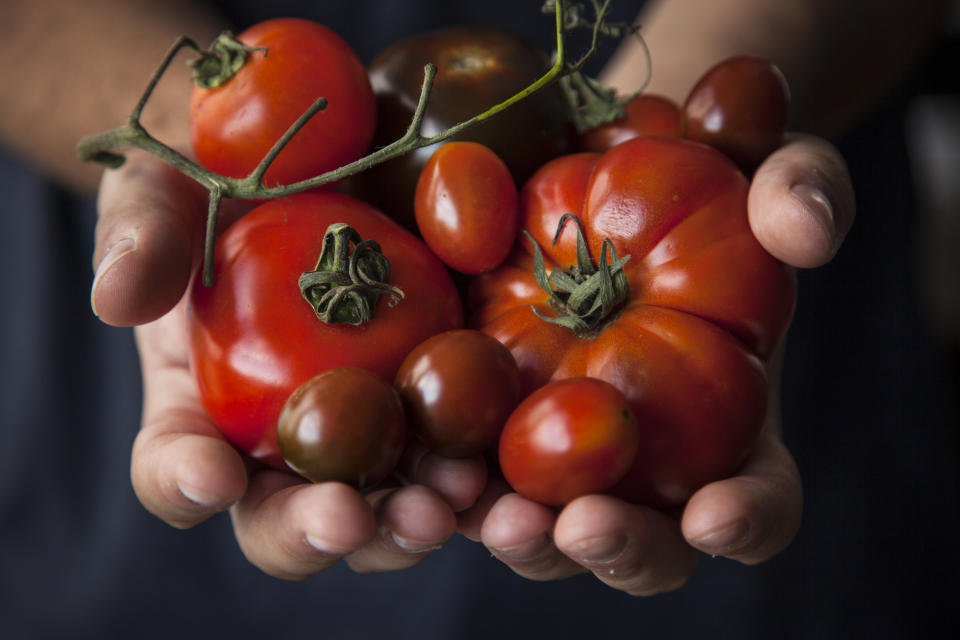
(292, 530)
(752, 516)
(801, 203)
(181, 468)
(519, 532)
(459, 481)
(148, 230)
(181, 473)
(634, 549)
(411, 522)
(470, 521)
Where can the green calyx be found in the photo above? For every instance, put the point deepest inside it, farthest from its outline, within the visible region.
(221, 61)
(585, 295)
(349, 278)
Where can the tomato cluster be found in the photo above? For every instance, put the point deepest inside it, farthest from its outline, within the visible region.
(621, 310)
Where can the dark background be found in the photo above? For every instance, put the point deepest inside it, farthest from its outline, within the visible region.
(870, 412)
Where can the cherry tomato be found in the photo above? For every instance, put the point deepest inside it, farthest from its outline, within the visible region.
(698, 305)
(477, 67)
(345, 425)
(571, 438)
(466, 207)
(458, 388)
(739, 107)
(234, 125)
(254, 338)
(645, 115)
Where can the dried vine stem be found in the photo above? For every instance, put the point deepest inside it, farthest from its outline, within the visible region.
(99, 147)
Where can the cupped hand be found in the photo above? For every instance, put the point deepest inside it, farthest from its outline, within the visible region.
(800, 206)
(148, 245)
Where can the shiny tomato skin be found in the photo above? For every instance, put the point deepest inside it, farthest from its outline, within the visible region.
(645, 115)
(466, 207)
(254, 339)
(458, 388)
(477, 67)
(707, 305)
(234, 125)
(570, 438)
(739, 107)
(344, 425)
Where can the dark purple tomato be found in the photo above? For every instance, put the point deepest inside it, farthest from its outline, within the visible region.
(739, 107)
(344, 425)
(458, 388)
(477, 67)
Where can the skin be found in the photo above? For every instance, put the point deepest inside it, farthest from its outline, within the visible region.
(182, 469)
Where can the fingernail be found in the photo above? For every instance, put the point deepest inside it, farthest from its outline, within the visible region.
(116, 252)
(724, 539)
(325, 546)
(524, 551)
(600, 550)
(413, 546)
(816, 204)
(198, 496)
(119, 249)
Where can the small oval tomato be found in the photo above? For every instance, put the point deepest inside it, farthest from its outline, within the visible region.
(645, 115)
(345, 425)
(571, 438)
(477, 67)
(234, 125)
(466, 207)
(739, 107)
(254, 338)
(458, 388)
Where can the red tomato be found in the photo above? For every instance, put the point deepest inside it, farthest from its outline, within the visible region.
(234, 125)
(700, 304)
(253, 337)
(739, 107)
(458, 388)
(466, 207)
(645, 115)
(568, 439)
(345, 425)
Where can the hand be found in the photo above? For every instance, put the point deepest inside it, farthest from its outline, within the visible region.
(800, 207)
(147, 247)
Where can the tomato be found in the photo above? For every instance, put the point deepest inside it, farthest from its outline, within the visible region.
(739, 107)
(254, 338)
(344, 425)
(571, 438)
(477, 67)
(466, 207)
(458, 388)
(234, 125)
(692, 313)
(645, 115)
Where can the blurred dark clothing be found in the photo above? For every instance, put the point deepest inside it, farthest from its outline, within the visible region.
(867, 413)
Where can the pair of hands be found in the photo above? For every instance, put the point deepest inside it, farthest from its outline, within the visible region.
(148, 244)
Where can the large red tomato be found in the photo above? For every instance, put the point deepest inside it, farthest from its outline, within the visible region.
(253, 336)
(235, 124)
(689, 318)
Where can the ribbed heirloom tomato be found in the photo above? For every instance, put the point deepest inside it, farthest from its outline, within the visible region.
(670, 298)
(305, 284)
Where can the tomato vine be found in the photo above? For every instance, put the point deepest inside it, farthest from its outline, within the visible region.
(101, 147)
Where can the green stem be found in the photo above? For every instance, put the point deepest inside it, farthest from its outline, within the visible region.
(584, 296)
(347, 283)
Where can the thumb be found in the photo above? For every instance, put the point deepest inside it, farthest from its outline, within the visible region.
(801, 203)
(147, 237)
